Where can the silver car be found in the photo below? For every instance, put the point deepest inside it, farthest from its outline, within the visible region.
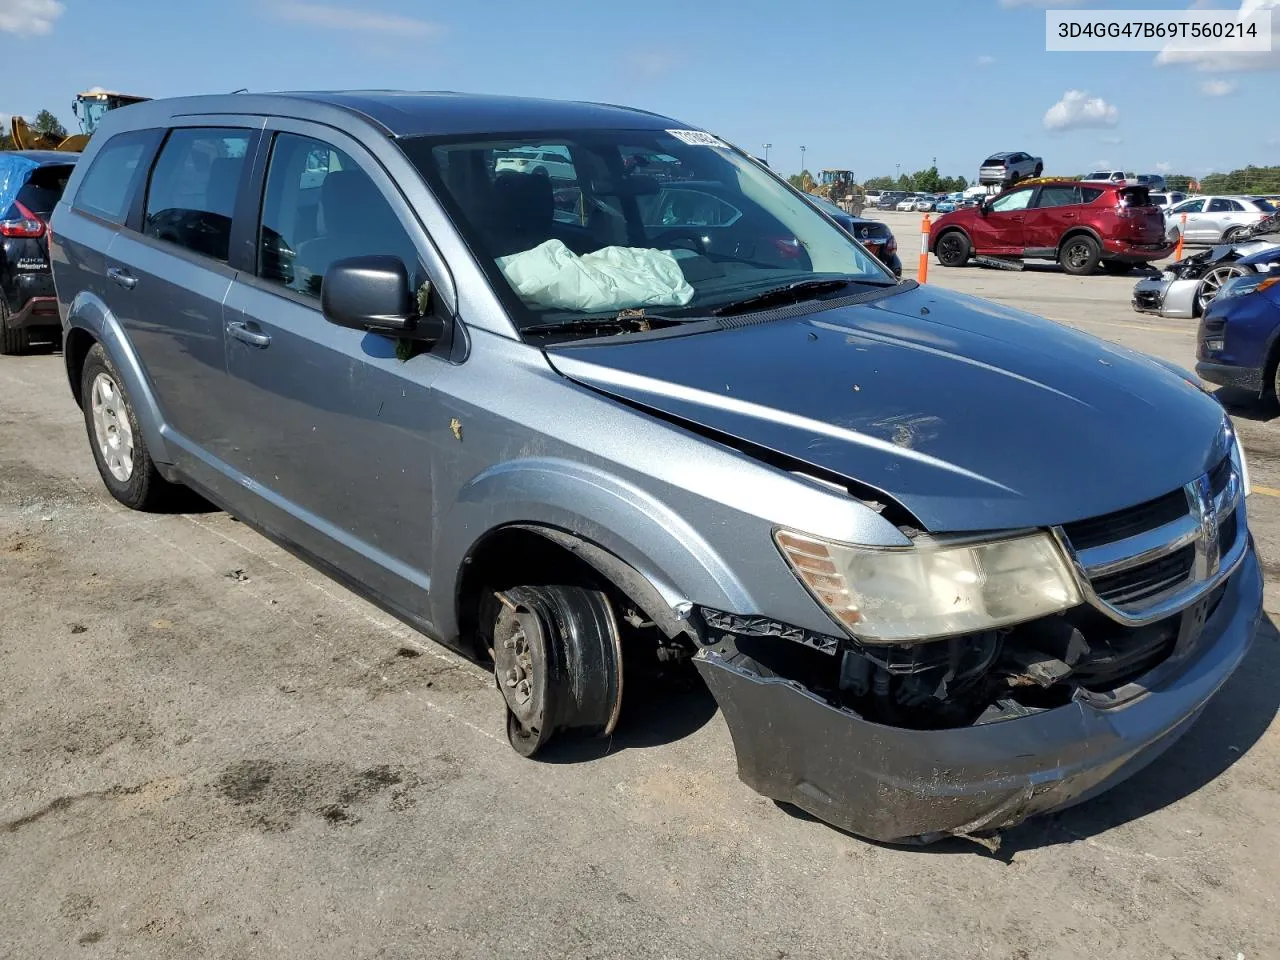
(942, 564)
(1216, 219)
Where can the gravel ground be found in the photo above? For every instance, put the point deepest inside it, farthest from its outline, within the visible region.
(208, 749)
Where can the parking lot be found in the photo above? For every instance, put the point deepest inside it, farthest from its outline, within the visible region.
(207, 748)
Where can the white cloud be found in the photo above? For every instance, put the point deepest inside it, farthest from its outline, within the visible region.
(1226, 60)
(1164, 166)
(986, 60)
(351, 18)
(1077, 110)
(29, 18)
(1217, 88)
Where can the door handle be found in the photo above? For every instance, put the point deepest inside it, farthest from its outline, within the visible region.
(240, 330)
(1068, 216)
(121, 276)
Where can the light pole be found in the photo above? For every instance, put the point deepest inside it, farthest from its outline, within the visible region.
(766, 153)
(802, 159)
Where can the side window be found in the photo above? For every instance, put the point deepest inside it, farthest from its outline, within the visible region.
(1218, 205)
(1191, 206)
(1017, 200)
(107, 186)
(1058, 197)
(1089, 194)
(193, 189)
(320, 207)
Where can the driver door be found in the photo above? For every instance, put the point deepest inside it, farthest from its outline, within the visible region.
(1003, 230)
(334, 434)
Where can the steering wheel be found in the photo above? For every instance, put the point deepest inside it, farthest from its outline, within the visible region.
(669, 238)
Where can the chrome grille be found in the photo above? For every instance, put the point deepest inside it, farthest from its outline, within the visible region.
(1147, 562)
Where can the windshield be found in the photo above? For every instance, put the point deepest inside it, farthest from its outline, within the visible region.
(589, 223)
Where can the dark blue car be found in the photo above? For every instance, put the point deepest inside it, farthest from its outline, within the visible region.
(1239, 339)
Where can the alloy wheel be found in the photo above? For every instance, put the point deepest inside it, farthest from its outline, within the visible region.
(111, 427)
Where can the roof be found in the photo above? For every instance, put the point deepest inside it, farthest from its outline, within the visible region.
(45, 157)
(407, 114)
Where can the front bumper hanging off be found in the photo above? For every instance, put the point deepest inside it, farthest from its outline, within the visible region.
(899, 785)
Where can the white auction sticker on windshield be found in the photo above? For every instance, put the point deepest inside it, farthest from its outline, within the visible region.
(697, 138)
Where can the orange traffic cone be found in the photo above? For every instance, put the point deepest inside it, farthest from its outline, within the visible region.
(923, 273)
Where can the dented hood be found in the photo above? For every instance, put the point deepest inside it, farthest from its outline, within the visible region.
(972, 415)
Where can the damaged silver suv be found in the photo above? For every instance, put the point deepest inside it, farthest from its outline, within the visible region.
(943, 564)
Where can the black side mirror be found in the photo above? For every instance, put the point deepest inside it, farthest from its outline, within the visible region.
(372, 293)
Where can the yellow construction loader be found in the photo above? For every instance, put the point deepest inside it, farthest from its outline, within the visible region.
(89, 107)
(840, 187)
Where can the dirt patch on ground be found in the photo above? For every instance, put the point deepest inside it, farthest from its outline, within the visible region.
(272, 796)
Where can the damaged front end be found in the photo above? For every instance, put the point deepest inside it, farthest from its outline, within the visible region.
(1185, 288)
(912, 741)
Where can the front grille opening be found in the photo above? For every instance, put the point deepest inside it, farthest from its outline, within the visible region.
(1228, 532)
(1129, 522)
(1147, 581)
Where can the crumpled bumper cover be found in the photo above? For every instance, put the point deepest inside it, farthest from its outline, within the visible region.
(897, 785)
(1168, 298)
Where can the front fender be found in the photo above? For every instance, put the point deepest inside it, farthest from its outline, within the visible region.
(605, 510)
(88, 312)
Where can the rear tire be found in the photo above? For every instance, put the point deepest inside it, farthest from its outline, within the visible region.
(1079, 255)
(119, 449)
(953, 249)
(1234, 235)
(11, 341)
(557, 660)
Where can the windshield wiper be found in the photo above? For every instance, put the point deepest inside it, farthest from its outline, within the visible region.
(791, 293)
(636, 323)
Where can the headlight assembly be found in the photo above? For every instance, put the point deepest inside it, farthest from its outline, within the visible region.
(903, 594)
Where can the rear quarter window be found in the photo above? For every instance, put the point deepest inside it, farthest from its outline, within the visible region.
(114, 174)
(41, 193)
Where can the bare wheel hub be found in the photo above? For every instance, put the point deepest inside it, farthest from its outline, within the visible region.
(514, 668)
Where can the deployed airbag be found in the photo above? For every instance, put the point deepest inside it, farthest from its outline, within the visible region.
(551, 276)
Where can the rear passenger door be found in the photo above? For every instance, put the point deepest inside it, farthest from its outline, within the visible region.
(168, 273)
(333, 433)
(1055, 210)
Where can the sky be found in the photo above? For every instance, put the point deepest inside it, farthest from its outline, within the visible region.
(872, 87)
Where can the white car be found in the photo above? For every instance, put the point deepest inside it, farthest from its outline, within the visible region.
(907, 204)
(926, 204)
(1109, 176)
(553, 163)
(1216, 219)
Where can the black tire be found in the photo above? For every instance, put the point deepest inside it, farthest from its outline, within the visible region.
(142, 487)
(1079, 255)
(557, 662)
(1234, 235)
(1117, 268)
(11, 341)
(953, 249)
(1213, 281)
(1039, 170)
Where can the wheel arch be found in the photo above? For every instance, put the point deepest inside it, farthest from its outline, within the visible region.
(950, 228)
(500, 557)
(1081, 231)
(89, 322)
(624, 533)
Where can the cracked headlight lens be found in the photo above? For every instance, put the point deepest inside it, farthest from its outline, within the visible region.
(901, 594)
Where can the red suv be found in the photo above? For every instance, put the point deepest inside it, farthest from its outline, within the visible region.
(1078, 224)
